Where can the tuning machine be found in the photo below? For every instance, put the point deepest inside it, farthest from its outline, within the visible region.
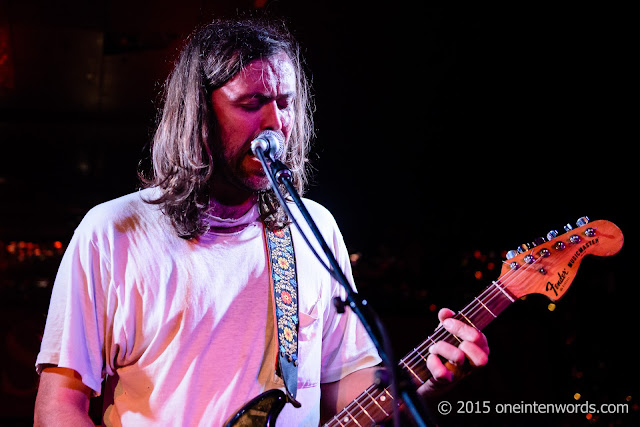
(583, 220)
(550, 236)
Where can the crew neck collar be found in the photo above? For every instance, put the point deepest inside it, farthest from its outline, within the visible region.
(232, 224)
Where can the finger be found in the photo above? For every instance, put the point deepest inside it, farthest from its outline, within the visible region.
(444, 313)
(477, 355)
(463, 330)
(439, 371)
(477, 352)
(448, 351)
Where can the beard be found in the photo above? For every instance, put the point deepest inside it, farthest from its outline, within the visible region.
(237, 177)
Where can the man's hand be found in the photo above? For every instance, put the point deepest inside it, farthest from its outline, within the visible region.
(472, 352)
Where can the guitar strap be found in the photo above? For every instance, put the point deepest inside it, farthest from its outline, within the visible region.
(285, 292)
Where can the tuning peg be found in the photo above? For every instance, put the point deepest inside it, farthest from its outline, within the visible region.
(582, 221)
(512, 254)
(568, 227)
(552, 234)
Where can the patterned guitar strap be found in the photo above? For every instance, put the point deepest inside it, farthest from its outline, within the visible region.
(285, 291)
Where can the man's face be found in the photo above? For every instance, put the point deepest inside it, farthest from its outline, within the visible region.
(258, 98)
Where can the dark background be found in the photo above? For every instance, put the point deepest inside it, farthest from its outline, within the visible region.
(445, 136)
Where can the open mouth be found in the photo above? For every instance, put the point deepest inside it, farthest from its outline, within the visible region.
(252, 156)
(253, 162)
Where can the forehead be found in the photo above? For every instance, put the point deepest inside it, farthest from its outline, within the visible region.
(270, 76)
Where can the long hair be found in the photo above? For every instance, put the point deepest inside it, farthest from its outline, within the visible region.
(181, 151)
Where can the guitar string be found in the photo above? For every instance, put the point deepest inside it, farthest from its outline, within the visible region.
(371, 399)
(418, 356)
(491, 290)
(371, 402)
(501, 289)
(494, 290)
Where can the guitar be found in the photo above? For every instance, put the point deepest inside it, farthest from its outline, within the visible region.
(547, 266)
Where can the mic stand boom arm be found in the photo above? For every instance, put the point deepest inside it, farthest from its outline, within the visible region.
(279, 173)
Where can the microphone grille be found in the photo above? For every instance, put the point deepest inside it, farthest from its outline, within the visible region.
(276, 142)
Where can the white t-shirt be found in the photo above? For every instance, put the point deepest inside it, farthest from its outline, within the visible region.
(184, 328)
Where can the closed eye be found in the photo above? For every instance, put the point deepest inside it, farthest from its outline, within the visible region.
(253, 102)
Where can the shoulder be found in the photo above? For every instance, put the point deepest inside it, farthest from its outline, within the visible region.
(122, 214)
(323, 219)
(320, 214)
(123, 205)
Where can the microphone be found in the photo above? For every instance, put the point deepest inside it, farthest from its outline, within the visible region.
(270, 142)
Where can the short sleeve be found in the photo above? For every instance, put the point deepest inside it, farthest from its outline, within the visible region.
(346, 345)
(74, 331)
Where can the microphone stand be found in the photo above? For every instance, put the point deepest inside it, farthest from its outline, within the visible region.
(399, 381)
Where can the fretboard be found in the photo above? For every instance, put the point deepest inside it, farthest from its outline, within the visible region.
(375, 404)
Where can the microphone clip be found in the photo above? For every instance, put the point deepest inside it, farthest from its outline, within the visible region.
(280, 171)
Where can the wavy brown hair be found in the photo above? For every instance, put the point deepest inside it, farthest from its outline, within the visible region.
(181, 151)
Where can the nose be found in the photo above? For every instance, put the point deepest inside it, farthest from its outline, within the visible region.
(271, 116)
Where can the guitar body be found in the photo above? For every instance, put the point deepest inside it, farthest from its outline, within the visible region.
(262, 410)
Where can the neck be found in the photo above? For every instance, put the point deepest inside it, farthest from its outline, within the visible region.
(228, 201)
(230, 211)
(227, 205)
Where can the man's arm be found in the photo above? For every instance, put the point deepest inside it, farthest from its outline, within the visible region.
(62, 400)
(338, 394)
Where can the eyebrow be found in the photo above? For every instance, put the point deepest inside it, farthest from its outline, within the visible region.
(263, 97)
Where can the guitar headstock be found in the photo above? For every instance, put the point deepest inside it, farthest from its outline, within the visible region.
(548, 265)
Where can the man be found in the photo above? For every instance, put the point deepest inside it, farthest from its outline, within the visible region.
(166, 292)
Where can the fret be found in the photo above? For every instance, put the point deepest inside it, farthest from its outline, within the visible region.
(332, 421)
(336, 419)
(420, 354)
(346, 419)
(365, 411)
(411, 370)
(503, 291)
(493, 301)
(467, 319)
(478, 314)
(486, 308)
(377, 404)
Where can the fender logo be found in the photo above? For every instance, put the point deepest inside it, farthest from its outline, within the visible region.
(558, 285)
(581, 251)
